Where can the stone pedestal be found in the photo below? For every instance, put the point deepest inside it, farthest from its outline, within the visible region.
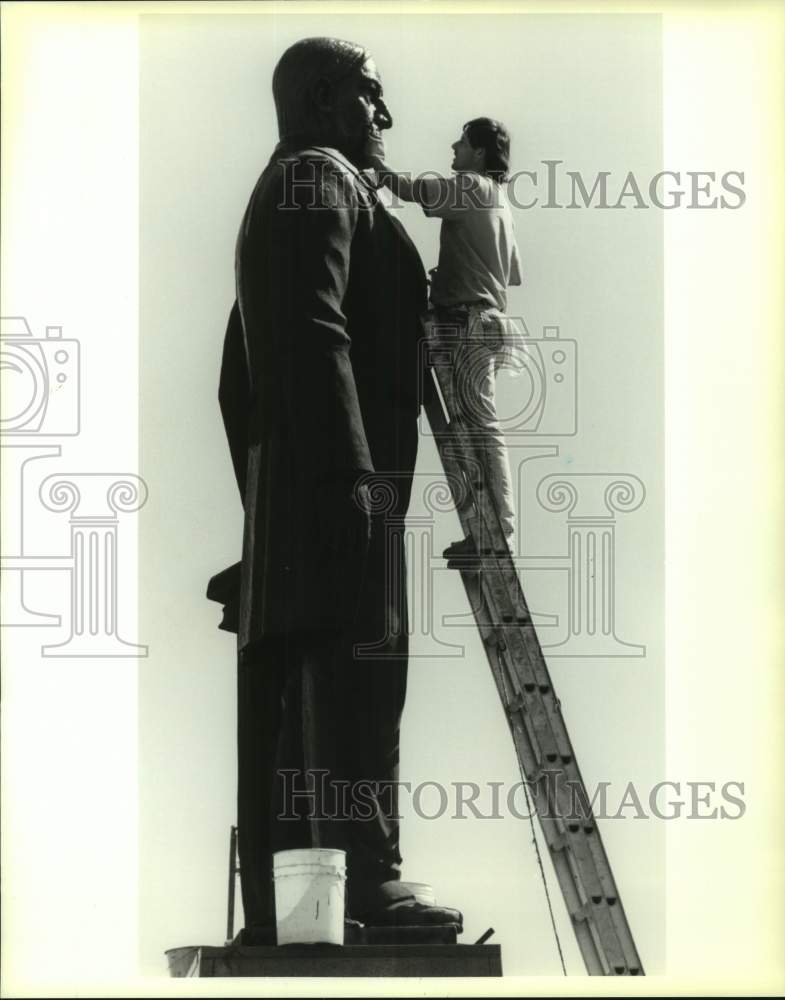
(330, 960)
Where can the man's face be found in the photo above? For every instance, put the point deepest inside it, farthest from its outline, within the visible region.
(360, 115)
(465, 157)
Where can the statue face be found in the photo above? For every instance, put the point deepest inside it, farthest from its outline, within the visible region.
(360, 115)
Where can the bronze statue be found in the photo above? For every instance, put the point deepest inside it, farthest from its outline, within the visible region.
(320, 397)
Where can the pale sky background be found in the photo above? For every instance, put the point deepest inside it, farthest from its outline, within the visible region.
(585, 90)
(118, 773)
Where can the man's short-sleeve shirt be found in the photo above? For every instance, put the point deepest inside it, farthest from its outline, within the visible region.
(478, 255)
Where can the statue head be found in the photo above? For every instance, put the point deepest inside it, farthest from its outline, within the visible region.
(328, 92)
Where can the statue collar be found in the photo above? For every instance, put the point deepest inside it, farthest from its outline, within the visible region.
(287, 146)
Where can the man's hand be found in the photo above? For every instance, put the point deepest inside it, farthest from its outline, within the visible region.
(376, 162)
(375, 150)
(344, 517)
(401, 185)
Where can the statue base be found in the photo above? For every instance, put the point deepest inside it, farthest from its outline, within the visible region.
(397, 957)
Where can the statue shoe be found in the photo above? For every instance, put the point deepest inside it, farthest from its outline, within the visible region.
(410, 913)
(394, 904)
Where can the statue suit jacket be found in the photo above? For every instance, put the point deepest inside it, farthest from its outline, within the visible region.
(320, 383)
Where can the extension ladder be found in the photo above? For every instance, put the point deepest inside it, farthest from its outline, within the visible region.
(545, 756)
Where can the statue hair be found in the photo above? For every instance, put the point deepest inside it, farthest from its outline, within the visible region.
(299, 69)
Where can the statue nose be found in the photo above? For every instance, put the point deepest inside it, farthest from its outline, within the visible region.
(383, 116)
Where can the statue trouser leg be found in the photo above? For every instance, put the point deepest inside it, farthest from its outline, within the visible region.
(312, 703)
(261, 677)
(374, 693)
(318, 761)
(284, 740)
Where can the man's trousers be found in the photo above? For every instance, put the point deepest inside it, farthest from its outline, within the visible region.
(477, 339)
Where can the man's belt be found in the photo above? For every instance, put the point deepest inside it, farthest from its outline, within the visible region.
(460, 309)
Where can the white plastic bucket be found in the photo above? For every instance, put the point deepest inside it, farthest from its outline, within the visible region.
(309, 895)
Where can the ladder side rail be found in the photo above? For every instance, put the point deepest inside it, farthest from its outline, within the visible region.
(567, 870)
(529, 669)
(574, 864)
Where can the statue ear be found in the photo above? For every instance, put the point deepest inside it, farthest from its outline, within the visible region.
(323, 95)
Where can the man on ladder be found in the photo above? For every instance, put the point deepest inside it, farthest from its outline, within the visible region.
(478, 261)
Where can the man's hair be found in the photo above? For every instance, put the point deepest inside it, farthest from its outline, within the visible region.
(300, 68)
(493, 137)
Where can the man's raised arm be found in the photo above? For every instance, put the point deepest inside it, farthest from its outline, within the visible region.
(422, 190)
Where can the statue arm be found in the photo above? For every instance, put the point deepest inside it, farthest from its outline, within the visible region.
(234, 396)
(323, 403)
(320, 395)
